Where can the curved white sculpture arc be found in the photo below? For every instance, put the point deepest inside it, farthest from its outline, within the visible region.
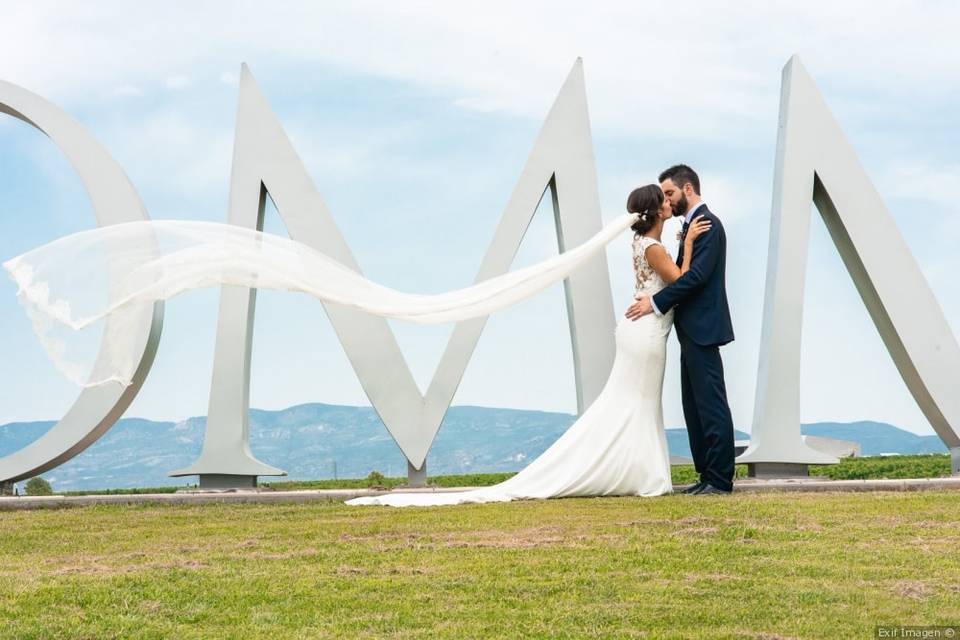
(265, 163)
(114, 200)
(815, 162)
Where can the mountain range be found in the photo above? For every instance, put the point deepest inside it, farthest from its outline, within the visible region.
(315, 441)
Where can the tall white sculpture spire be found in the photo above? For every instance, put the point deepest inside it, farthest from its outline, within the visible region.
(816, 163)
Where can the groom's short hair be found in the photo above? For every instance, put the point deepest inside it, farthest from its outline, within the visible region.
(681, 174)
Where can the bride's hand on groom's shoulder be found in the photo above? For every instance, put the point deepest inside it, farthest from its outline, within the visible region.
(699, 227)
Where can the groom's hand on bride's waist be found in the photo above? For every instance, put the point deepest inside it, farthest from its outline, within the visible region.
(639, 308)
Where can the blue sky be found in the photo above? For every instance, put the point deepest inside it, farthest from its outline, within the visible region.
(414, 120)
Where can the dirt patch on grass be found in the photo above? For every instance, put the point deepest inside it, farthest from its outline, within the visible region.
(406, 570)
(913, 589)
(345, 570)
(194, 549)
(712, 577)
(97, 568)
(945, 525)
(696, 531)
(506, 542)
(287, 554)
(535, 537)
(350, 571)
(609, 540)
(645, 522)
(150, 607)
(491, 538)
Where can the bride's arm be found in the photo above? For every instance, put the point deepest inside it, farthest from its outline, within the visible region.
(663, 264)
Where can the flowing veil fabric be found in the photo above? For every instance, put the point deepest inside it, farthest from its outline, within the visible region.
(75, 282)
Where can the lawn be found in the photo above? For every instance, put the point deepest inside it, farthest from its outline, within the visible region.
(742, 566)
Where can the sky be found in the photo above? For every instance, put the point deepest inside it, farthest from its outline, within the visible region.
(414, 120)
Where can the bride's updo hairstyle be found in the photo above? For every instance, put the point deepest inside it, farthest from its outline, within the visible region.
(646, 201)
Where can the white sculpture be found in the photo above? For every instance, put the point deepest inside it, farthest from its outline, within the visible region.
(113, 200)
(562, 159)
(815, 162)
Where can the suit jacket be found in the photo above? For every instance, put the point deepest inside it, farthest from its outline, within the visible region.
(700, 295)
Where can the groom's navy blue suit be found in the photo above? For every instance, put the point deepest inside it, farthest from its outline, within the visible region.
(702, 321)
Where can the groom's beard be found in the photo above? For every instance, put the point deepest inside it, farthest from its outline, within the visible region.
(680, 209)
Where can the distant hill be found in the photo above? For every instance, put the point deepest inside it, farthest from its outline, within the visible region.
(308, 440)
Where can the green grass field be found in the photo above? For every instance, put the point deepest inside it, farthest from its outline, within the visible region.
(775, 565)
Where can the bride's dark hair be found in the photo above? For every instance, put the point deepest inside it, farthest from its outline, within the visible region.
(646, 201)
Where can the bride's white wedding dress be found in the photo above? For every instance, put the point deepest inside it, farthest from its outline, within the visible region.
(618, 446)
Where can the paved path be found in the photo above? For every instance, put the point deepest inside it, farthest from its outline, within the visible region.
(746, 485)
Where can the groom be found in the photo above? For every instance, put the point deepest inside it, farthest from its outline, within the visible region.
(702, 320)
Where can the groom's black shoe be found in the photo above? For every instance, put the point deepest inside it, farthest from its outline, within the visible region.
(693, 488)
(707, 489)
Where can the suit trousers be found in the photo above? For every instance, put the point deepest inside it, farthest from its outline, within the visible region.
(706, 412)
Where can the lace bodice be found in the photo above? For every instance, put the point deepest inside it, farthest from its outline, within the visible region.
(647, 280)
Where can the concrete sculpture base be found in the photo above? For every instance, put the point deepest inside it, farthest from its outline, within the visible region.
(417, 477)
(765, 470)
(227, 481)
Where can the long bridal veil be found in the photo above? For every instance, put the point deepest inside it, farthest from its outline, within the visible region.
(109, 273)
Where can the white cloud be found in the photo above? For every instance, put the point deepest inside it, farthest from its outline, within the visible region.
(923, 181)
(735, 197)
(188, 159)
(175, 83)
(648, 72)
(127, 91)
(230, 78)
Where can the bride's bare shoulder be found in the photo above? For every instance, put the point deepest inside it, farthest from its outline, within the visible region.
(654, 249)
(661, 262)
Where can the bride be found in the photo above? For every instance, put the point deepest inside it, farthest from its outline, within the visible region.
(618, 446)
